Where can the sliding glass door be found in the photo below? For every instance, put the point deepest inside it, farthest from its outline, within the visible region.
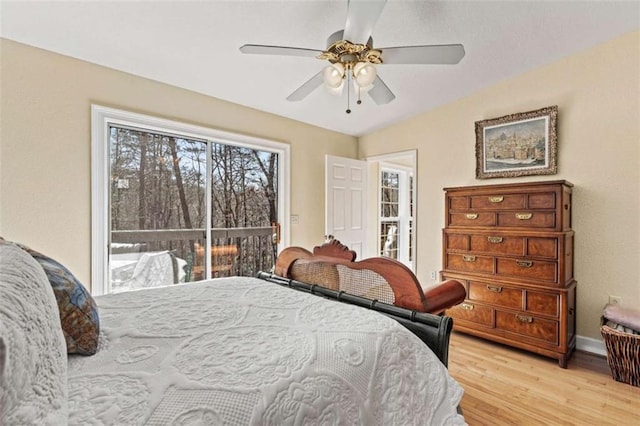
(182, 206)
(185, 210)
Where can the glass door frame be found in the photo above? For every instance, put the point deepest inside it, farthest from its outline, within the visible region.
(102, 118)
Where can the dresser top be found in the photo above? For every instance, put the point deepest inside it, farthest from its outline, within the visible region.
(512, 185)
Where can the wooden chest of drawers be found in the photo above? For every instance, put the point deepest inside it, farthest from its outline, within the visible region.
(512, 247)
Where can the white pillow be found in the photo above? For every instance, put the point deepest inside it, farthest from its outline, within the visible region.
(33, 379)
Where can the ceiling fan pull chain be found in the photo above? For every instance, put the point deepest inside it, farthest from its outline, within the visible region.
(348, 93)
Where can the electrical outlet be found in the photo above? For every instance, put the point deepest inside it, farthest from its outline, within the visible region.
(434, 275)
(614, 300)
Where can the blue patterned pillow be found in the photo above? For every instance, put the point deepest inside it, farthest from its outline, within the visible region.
(78, 310)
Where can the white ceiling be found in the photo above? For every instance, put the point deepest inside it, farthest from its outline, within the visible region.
(194, 45)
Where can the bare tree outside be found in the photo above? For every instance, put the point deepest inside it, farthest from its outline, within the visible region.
(159, 207)
(243, 196)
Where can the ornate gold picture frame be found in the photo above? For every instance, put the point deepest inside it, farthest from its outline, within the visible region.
(521, 144)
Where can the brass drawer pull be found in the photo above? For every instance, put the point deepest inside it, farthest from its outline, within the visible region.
(494, 240)
(471, 216)
(524, 216)
(524, 263)
(494, 288)
(467, 306)
(468, 258)
(524, 319)
(497, 199)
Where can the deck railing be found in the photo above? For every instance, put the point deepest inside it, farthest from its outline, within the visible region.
(234, 251)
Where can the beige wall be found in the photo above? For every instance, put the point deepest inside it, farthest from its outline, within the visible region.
(45, 138)
(598, 96)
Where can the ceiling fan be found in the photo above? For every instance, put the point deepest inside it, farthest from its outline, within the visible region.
(352, 57)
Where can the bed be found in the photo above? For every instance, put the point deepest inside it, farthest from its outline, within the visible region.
(237, 350)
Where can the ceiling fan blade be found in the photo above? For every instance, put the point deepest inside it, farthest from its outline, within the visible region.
(433, 54)
(259, 49)
(361, 17)
(380, 93)
(305, 90)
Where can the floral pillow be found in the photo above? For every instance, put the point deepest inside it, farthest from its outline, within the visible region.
(78, 310)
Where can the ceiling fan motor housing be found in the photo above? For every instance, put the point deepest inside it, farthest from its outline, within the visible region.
(348, 53)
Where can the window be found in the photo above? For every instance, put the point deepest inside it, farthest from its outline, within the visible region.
(395, 222)
(174, 203)
(389, 220)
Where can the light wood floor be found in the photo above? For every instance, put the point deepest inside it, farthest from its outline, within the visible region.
(506, 386)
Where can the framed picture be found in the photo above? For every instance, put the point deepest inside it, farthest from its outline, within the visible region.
(521, 144)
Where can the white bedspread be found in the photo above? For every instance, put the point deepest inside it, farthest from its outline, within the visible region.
(244, 351)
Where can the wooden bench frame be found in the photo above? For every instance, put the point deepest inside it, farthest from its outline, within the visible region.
(406, 288)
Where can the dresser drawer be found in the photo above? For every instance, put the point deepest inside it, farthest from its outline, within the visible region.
(505, 201)
(542, 200)
(528, 326)
(497, 244)
(456, 241)
(527, 219)
(508, 219)
(469, 263)
(498, 202)
(472, 219)
(502, 243)
(546, 247)
(495, 294)
(472, 312)
(529, 269)
(458, 203)
(543, 303)
(542, 247)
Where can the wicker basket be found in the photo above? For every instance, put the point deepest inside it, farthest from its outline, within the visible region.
(623, 354)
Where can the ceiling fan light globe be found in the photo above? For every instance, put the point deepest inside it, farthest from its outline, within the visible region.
(333, 76)
(336, 91)
(364, 74)
(363, 89)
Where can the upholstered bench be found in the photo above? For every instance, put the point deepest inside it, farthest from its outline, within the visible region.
(333, 265)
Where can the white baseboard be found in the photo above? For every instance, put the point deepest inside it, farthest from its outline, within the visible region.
(588, 344)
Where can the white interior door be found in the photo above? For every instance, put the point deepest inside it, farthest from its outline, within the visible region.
(346, 201)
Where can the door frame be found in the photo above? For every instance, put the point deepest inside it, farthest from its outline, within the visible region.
(403, 159)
